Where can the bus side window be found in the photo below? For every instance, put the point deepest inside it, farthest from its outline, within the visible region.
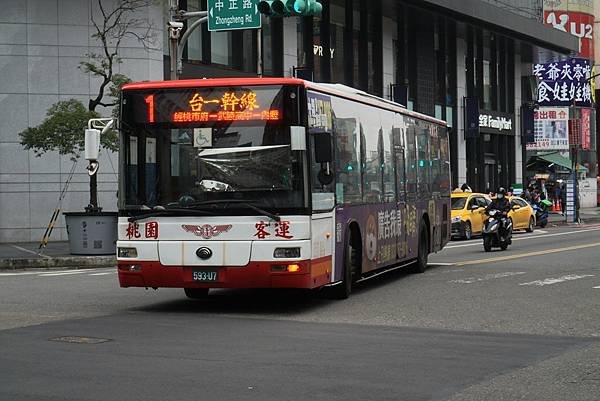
(434, 159)
(347, 148)
(387, 156)
(371, 132)
(444, 161)
(400, 160)
(423, 160)
(411, 160)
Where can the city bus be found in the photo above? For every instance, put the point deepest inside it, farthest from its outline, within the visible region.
(275, 183)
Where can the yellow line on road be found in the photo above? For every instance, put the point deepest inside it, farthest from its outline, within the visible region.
(524, 255)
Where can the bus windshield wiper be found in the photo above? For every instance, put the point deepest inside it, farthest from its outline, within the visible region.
(261, 211)
(243, 202)
(170, 212)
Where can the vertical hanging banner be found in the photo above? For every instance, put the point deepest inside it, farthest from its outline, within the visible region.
(562, 83)
(574, 132)
(471, 117)
(586, 121)
(527, 124)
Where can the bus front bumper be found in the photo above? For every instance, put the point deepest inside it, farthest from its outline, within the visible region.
(301, 274)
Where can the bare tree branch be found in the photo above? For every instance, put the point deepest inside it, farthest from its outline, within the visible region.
(116, 24)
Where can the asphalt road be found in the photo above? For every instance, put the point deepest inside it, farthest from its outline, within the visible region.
(520, 324)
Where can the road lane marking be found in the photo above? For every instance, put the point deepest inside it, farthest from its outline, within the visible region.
(433, 264)
(31, 252)
(525, 255)
(73, 272)
(471, 280)
(597, 287)
(45, 271)
(562, 279)
(102, 274)
(478, 242)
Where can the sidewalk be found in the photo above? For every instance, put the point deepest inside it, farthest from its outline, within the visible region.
(587, 215)
(56, 254)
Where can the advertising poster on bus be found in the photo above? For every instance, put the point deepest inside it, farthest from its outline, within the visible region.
(551, 130)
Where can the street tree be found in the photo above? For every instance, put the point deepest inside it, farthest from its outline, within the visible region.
(114, 21)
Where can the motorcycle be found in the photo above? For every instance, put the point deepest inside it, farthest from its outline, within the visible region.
(541, 213)
(492, 227)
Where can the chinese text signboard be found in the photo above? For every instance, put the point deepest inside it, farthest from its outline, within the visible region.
(586, 121)
(550, 129)
(574, 132)
(561, 83)
(226, 15)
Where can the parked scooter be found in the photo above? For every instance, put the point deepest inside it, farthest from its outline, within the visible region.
(497, 231)
(541, 212)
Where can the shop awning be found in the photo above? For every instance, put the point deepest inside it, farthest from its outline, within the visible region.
(554, 158)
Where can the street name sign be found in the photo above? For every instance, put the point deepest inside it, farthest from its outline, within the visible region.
(228, 15)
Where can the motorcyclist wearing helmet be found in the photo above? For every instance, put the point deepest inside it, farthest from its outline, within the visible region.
(502, 204)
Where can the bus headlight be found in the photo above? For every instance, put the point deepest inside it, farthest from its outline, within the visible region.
(127, 252)
(286, 253)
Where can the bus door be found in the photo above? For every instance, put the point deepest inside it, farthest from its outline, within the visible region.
(400, 168)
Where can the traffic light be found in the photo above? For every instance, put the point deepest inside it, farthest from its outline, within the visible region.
(290, 8)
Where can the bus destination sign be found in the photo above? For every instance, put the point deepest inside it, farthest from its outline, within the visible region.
(204, 105)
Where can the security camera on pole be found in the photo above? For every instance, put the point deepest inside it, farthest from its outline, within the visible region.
(93, 232)
(96, 128)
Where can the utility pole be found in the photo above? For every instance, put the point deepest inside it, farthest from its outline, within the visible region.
(174, 27)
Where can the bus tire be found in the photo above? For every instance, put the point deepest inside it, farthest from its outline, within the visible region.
(343, 289)
(196, 293)
(420, 264)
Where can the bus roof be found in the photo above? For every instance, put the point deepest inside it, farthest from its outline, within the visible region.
(332, 89)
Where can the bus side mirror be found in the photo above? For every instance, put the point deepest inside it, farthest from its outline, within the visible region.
(323, 147)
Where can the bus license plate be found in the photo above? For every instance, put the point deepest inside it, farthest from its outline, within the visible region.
(205, 276)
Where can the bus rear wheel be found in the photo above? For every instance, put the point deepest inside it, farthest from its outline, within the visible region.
(421, 263)
(196, 293)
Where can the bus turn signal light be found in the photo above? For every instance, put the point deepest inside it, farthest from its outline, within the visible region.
(293, 268)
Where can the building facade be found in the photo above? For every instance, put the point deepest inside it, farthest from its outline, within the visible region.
(437, 52)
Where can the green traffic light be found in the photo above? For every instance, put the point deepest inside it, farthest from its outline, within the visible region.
(299, 6)
(290, 8)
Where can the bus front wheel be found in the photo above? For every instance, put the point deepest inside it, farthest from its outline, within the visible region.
(344, 288)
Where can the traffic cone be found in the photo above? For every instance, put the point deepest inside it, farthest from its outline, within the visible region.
(555, 206)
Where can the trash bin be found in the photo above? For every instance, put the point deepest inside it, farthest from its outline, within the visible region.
(92, 233)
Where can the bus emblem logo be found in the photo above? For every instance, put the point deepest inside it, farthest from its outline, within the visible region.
(206, 231)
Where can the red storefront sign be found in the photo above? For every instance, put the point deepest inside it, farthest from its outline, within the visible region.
(577, 24)
(574, 132)
(586, 116)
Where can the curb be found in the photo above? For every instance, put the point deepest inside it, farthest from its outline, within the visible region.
(86, 262)
(570, 223)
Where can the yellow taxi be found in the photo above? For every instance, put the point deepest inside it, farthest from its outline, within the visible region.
(468, 213)
(522, 214)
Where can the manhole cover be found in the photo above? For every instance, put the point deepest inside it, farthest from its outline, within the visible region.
(80, 340)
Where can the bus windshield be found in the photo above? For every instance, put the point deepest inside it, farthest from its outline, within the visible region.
(183, 158)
